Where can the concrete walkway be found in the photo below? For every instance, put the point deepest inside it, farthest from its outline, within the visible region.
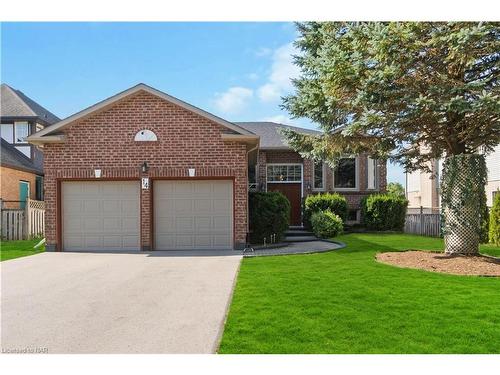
(158, 302)
(298, 248)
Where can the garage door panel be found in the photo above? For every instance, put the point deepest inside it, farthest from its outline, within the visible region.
(203, 224)
(220, 240)
(220, 223)
(193, 214)
(184, 224)
(101, 215)
(92, 224)
(203, 205)
(203, 241)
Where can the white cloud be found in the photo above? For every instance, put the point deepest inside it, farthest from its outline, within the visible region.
(282, 71)
(253, 76)
(233, 100)
(263, 51)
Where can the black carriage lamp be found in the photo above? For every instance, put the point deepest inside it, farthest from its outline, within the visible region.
(145, 167)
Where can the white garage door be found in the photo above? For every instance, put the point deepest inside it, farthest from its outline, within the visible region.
(193, 215)
(101, 215)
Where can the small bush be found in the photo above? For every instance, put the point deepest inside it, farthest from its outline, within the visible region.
(384, 211)
(326, 224)
(333, 202)
(269, 214)
(494, 231)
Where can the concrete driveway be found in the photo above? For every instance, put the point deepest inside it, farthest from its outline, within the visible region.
(157, 302)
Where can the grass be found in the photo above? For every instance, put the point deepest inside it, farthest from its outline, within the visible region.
(17, 249)
(346, 302)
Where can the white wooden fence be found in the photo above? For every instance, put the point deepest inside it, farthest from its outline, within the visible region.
(425, 224)
(22, 224)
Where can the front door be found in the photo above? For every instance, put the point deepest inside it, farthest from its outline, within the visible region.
(24, 193)
(287, 179)
(292, 192)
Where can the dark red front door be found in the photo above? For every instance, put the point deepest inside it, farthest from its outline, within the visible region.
(292, 192)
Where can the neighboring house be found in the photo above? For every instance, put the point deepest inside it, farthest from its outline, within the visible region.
(143, 170)
(279, 168)
(422, 188)
(21, 163)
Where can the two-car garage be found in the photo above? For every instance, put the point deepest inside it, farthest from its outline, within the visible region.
(186, 214)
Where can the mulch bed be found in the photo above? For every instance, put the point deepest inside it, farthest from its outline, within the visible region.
(439, 262)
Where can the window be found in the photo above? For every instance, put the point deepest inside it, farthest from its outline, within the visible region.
(15, 133)
(26, 150)
(21, 131)
(372, 173)
(7, 132)
(319, 172)
(284, 173)
(344, 176)
(352, 215)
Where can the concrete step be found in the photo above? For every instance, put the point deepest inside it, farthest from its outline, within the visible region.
(300, 238)
(298, 233)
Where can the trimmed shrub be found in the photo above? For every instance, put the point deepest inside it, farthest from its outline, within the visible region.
(384, 211)
(269, 214)
(325, 224)
(494, 232)
(333, 202)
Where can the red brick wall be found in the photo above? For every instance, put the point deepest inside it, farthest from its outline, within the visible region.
(106, 141)
(9, 184)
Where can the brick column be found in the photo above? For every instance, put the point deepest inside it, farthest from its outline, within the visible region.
(308, 170)
(50, 190)
(146, 234)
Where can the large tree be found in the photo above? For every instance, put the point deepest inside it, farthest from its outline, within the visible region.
(404, 91)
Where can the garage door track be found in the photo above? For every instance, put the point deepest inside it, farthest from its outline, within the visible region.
(158, 302)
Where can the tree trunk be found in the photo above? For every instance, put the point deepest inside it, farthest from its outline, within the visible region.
(462, 198)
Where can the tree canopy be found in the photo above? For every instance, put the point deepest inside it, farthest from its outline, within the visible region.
(390, 89)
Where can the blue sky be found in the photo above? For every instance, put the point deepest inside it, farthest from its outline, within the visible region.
(238, 71)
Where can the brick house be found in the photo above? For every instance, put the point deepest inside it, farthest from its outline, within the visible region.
(21, 163)
(143, 170)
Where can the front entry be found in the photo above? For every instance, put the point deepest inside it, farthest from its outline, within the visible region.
(292, 192)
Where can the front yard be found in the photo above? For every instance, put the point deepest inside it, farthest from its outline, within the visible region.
(346, 302)
(17, 249)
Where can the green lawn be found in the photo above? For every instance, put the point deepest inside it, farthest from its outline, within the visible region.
(346, 302)
(17, 249)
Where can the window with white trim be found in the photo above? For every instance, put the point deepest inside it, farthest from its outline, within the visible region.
(284, 173)
(319, 176)
(15, 132)
(372, 173)
(345, 174)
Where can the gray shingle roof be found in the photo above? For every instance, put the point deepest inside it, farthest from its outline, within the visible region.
(15, 104)
(13, 158)
(269, 136)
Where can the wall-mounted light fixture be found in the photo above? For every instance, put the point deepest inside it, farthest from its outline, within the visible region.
(145, 167)
(308, 186)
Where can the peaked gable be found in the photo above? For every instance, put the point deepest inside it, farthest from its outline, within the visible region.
(52, 133)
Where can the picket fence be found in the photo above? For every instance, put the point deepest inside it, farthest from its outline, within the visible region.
(22, 223)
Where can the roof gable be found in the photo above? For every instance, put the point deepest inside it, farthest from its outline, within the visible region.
(15, 103)
(49, 134)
